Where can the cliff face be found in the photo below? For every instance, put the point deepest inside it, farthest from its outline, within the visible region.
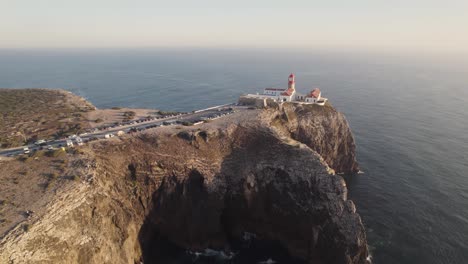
(258, 172)
(325, 130)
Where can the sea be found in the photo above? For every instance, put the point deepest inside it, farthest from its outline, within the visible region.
(408, 113)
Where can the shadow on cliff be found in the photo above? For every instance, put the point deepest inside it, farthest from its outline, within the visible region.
(259, 212)
(186, 217)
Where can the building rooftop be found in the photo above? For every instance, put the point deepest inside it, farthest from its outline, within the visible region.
(315, 93)
(275, 89)
(287, 92)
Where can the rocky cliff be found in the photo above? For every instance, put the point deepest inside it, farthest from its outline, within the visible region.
(323, 129)
(270, 173)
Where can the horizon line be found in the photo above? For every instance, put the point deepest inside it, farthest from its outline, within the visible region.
(358, 49)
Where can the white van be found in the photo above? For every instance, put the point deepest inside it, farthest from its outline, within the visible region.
(110, 135)
(79, 141)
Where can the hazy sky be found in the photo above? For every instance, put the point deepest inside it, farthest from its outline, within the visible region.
(395, 24)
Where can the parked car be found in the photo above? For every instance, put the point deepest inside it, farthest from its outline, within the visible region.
(79, 141)
(40, 142)
(109, 135)
(26, 150)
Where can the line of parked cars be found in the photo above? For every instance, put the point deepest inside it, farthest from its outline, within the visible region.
(218, 115)
(42, 144)
(134, 122)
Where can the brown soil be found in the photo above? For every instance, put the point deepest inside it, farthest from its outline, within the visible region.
(31, 114)
(27, 115)
(30, 182)
(261, 171)
(101, 117)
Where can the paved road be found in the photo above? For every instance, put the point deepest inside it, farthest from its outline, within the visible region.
(189, 117)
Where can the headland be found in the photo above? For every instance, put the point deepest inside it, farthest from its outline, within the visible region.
(214, 179)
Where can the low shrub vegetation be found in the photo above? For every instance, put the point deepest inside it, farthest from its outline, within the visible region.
(56, 153)
(30, 114)
(128, 115)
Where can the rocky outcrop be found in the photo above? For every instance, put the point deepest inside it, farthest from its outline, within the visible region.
(323, 129)
(259, 172)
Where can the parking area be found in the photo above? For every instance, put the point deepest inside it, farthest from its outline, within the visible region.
(119, 129)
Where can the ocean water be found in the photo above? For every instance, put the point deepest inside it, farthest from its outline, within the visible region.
(409, 114)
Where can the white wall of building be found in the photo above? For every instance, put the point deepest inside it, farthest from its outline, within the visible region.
(286, 98)
(272, 92)
(312, 99)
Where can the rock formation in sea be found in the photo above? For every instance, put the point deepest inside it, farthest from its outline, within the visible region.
(269, 172)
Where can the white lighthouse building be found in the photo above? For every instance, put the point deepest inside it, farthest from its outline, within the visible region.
(281, 94)
(290, 95)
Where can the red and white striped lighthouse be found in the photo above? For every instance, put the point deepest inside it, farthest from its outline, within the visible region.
(291, 82)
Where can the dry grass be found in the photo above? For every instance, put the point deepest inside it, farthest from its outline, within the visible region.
(28, 184)
(114, 115)
(30, 114)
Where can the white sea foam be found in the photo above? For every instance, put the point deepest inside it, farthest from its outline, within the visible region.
(268, 261)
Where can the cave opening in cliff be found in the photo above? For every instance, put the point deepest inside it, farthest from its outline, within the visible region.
(247, 250)
(188, 224)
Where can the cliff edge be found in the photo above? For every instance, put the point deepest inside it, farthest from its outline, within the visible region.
(269, 173)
